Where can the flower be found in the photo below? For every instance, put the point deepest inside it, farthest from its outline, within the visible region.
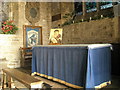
(4, 22)
(8, 27)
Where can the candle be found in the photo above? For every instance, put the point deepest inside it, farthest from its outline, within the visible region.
(82, 20)
(90, 18)
(101, 16)
(73, 21)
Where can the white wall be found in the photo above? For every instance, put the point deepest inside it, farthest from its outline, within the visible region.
(9, 49)
(10, 44)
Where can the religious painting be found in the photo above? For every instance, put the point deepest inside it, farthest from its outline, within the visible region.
(55, 36)
(32, 35)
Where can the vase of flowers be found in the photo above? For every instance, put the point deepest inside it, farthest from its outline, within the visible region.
(8, 27)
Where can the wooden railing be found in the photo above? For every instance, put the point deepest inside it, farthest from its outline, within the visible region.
(26, 56)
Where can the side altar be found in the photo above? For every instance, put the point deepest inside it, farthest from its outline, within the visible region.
(79, 65)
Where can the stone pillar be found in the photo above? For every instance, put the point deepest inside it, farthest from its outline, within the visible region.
(119, 28)
(16, 40)
(11, 11)
(0, 14)
(84, 7)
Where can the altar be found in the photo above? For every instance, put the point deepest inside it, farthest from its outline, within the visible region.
(79, 65)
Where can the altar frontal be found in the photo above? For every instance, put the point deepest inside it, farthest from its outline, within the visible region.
(79, 65)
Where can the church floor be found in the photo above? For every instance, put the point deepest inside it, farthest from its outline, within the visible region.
(51, 84)
(47, 83)
(115, 81)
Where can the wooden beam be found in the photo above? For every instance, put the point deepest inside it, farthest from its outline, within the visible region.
(84, 7)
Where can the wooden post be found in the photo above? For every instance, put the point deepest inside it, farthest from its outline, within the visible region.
(84, 7)
(98, 6)
(3, 81)
(9, 82)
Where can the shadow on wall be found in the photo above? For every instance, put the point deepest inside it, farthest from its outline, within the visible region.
(115, 62)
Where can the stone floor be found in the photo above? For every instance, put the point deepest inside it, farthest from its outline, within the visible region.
(49, 85)
(115, 81)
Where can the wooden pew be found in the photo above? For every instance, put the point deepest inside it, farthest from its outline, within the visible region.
(26, 79)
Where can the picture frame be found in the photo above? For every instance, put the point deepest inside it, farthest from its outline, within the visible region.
(32, 35)
(55, 36)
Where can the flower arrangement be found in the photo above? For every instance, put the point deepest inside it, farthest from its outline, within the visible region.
(8, 27)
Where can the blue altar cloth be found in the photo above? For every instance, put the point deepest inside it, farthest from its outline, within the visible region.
(76, 65)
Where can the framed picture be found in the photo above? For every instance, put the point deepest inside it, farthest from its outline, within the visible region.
(55, 36)
(32, 36)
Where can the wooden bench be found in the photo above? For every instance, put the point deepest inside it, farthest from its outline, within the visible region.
(25, 79)
(26, 56)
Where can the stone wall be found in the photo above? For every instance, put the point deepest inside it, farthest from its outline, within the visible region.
(61, 8)
(99, 31)
(96, 31)
(45, 21)
(10, 44)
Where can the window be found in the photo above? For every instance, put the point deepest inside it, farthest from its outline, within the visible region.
(104, 5)
(91, 6)
(78, 7)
